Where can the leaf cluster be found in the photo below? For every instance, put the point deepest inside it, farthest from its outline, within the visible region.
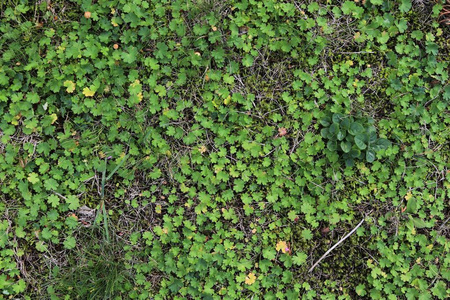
(353, 138)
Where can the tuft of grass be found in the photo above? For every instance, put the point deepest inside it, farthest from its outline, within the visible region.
(96, 269)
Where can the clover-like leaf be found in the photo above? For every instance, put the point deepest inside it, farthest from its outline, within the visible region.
(33, 178)
(269, 253)
(88, 92)
(131, 55)
(307, 234)
(51, 184)
(247, 61)
(70, 85)
(282, 246)
(250, 278)
(299, 259)
(70, 242)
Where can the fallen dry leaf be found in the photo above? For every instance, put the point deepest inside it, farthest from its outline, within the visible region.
(282, 131)
(250, 279)
(283, 246)
(325, 230)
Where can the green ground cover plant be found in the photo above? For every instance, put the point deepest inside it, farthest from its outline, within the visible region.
(356, 139)
(205, 149)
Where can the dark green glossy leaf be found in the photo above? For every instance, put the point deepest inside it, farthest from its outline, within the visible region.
(356, 128)
(383, 143)
(325, 121)
(341, 135)
(346, 146)
(354, 153)
(334, 128)
(359, 141)
(372, 137)
(349, 162)
(337, 118)
(332, 145)
(345, 124)
(370, 156)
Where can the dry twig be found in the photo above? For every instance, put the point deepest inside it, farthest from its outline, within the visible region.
(335, 245)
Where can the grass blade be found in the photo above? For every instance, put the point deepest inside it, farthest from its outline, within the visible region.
(117, 167)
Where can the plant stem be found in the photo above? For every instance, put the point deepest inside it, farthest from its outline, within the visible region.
(335, 245)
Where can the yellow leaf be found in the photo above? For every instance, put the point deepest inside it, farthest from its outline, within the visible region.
(136, 82)
(227, 100)
(282, 245)
(408, 196)
(140, 97)
(88, 93)
(15, 120)
(250, 279)
(70, 85)
(158, 209)
(54, 118)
